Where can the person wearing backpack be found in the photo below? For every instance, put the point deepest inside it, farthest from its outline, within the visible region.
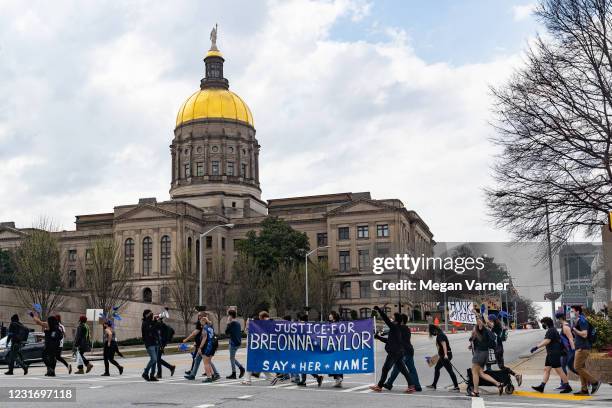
(82, 344)
(207, 350)
(17, 335)
(584, 337)
(567, 342)
(166, 333)
(554, 350)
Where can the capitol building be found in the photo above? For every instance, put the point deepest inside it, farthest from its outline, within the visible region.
(215, 182)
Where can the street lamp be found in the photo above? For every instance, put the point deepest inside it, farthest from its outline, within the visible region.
(203, 264)
(306, 270)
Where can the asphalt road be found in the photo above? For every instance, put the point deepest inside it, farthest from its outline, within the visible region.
(130, 390)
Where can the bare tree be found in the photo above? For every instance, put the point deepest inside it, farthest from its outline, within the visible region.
(107, 279)
(39, 277)
(553, 123)
(247, 287)
(286, 288)
(183, 287)
(217, 290)
(325, 288)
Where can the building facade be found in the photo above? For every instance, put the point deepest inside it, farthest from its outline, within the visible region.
(214, 182)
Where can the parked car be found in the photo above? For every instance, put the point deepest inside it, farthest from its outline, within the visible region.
(32, 350)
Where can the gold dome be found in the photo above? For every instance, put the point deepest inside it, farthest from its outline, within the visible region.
(214, 103)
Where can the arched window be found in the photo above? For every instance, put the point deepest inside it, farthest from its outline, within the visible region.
(164, 265)
(164, 295)
(147, 255)
(128, 251)
(147, 295)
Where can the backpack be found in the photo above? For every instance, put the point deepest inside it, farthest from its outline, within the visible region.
(215, 344)
(591, 333)
(168, 334)
(22, 334)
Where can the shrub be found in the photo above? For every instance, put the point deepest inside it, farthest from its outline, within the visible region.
(604, 331)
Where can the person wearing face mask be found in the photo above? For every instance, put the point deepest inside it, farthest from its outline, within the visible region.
(481, 340)
(552, 342)
(581, 330)
(567, 342)
(150, 335)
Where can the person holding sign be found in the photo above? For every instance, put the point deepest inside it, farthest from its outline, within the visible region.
(395, 351)
(481, 340)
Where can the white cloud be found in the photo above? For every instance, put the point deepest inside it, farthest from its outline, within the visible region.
(331, 116)
(523, 11)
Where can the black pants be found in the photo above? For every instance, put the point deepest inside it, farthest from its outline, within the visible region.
(499, 356)
(59, 357)
(390, 361)
(443, 362)
(82, 351)
(109, 357)
(49, 358)
(161, 362)
(15, 356)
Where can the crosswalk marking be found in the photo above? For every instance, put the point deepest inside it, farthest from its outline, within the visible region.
(360, 387)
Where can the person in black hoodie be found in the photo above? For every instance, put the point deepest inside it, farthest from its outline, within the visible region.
(53, 338)
(15, 336)
(408, 359)
(165, 336)
(150, 336)
(82, 344)
(395, 351)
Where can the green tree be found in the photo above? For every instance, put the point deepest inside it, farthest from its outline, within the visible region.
(276, 244)
(7, 267)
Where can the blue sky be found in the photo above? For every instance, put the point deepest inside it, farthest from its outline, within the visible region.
(456, 32)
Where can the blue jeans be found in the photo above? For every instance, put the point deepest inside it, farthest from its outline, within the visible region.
(567, 361)
(150, 368)
(233, 361)
(414, 377)
(196, 365)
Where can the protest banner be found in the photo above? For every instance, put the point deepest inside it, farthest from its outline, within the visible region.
(461, 311)
(311, 347)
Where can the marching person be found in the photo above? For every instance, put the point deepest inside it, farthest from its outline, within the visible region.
(81, 345)
(395, 351)
(445, 355)
(552, 342)
(59, 357)
(17, 335)
(53, 337)
(196, 336)
(207, 349)
(334, 317)
(302, 381)
(496, 327)
(234, 331)
(480, 341)
(110, 346)
(408, 359)
(583, 349)
(567, 342)
(150, 336)
(165, 336)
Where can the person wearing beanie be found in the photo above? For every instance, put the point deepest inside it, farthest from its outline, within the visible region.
(81, 345)
(17, 335)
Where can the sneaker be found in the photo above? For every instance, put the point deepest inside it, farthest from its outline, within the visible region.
(453, 389)
(376, 388)
(560, 388)
(409, 390)
(189, 377)
(216, 376)
(105, 375)
(25, 370)
(241, 372)
(245, 382)
(145, 376)
(319, 380)
(188, 372)
(388, 386)
(418, 389)
(89, 367)
(8, 373)
(153, 379)
(582, 392)
(595, 387)
(432, 387)
(172, 370)
(79, 371)
(519, 379)
(566, 389)
(232, 376)
(158, 376)
(209, 380)
(120, 370)
(539, 388)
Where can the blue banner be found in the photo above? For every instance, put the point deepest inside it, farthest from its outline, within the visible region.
(280, 346)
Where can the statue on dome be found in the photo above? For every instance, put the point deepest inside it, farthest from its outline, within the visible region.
(213, 39)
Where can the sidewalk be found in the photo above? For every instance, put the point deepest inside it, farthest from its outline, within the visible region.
(532, 368)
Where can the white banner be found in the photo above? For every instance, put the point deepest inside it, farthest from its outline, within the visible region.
(461, 311)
